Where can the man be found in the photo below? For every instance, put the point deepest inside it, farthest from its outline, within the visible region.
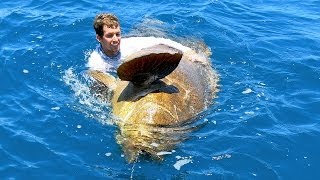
(106, 57)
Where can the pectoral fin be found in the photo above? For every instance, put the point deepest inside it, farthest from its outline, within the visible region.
(104, 85)
(104, 78)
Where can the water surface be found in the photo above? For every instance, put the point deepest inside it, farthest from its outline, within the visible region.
(264, 124)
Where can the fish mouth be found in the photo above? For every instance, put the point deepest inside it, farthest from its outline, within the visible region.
(152, 140)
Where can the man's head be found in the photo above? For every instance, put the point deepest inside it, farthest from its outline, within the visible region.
(107, 27)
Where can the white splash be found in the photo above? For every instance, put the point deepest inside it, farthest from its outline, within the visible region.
(224, 156)
(247, 91)
(154, 144)
(163, 153)
(134, 44)
(181, 163)
(88, 103)
(249, 113)
(55, 108)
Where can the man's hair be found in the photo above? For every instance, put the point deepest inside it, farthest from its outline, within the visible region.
(105, 19)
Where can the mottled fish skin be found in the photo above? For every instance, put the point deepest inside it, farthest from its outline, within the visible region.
(156, 117)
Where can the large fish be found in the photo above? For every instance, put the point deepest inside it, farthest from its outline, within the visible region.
(159, 92)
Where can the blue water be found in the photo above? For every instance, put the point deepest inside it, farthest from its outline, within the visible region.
(264, 123)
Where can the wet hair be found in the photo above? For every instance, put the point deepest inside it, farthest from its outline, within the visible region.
(105, 19)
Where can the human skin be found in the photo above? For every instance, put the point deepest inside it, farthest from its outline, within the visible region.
(110, 41)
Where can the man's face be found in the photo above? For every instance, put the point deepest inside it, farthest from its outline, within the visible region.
(110, 41)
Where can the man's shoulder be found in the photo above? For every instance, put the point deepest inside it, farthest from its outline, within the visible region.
(99, 61)
(95, 61)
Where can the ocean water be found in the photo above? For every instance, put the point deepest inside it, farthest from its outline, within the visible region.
(264, 123)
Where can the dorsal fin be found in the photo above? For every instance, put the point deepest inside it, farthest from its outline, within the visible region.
(149, 64)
